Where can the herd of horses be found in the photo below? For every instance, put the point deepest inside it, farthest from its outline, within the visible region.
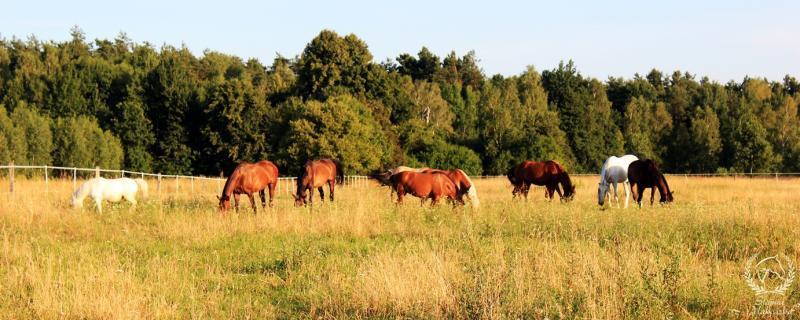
(425, 183)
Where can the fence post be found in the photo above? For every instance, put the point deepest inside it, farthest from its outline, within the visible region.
(97, 171)
(158, 185)
(74, 178)
(11, 175)
(192, 184)
(45, 177)
(221, 176)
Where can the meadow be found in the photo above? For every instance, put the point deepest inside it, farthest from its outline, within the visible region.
(175, 256)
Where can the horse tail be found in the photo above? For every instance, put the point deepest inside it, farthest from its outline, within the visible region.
(142, 187)
(339, 171)
(472, 192)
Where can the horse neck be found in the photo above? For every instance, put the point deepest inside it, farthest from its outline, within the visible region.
(230, 184)
(566, 182)
(302, 177)
(662, 185)
(84, 190)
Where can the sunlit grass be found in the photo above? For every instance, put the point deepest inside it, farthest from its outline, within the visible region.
(174, 256)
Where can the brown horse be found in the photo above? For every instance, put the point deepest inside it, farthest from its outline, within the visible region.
(248, 178)
(316, 174)
(464, 185)
(645, 174)
(548, 173)
(428, 185)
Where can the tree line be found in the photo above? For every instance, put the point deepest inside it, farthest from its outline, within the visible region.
(120, 104)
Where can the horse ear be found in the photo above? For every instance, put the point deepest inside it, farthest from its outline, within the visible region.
(295, 196)
(218, 198)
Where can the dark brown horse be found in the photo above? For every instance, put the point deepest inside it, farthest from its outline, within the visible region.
(548, 173)
(249, 178)
(426, 185)
(645, 174)
(315, 174)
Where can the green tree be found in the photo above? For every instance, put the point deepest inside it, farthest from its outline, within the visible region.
(12, 140)
(646, 124)
(80, 142)
(35, 129)
(237, 125)
(341, 127)
(136, 134)
(331, 64)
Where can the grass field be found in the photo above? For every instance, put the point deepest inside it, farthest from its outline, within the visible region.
(176, 257)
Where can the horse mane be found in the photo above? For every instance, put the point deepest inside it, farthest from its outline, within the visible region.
(472, 193)
(227, 190)
(83, 190)
(564, 177)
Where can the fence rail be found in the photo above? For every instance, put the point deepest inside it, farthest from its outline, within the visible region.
(358, 180)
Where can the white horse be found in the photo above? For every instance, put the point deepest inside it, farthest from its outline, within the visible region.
(615, 170)
(112, 190)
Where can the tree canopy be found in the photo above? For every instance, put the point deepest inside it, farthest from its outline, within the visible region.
(117, 103)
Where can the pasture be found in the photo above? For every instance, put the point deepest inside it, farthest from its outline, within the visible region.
(174, 256)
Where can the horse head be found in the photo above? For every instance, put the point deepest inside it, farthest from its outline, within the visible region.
(224, 203)
(299, 200)
(602, 190)
(382, 177)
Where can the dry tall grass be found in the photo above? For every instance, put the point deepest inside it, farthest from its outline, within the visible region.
(174, 256)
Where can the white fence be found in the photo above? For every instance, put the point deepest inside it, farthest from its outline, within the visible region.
(286, 184)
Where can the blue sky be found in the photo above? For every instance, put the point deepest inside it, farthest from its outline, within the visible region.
(721, 39)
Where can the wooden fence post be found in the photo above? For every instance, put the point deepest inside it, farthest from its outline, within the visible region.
(11, 175)
(74, 178)
(45, 177)
(158, 185)
(97, 171)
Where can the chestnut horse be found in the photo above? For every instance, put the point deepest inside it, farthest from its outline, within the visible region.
(315, 174)
(424, 185)
(645, 174)
(548, 173)
(464, 185)
(248, 178)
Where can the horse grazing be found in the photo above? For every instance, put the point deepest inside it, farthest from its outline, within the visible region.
(112, 190)
(645, 174)
(315, 174)
(548, 173)
(464, 185)
(424, 185)
(615, 170)
(249, 178)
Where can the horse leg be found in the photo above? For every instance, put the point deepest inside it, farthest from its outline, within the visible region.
(616, 195)
(253, 202)
(652, 195)
(272, 193)
(99, 203)
(434, 200)
(560, 195)
(330, 187)
(400, 193)
(526, 187)
(640, 195)
(236, 201)
(634, 191)
(263, 195)
(321, 194)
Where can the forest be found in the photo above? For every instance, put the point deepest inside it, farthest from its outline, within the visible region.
(122, 104)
